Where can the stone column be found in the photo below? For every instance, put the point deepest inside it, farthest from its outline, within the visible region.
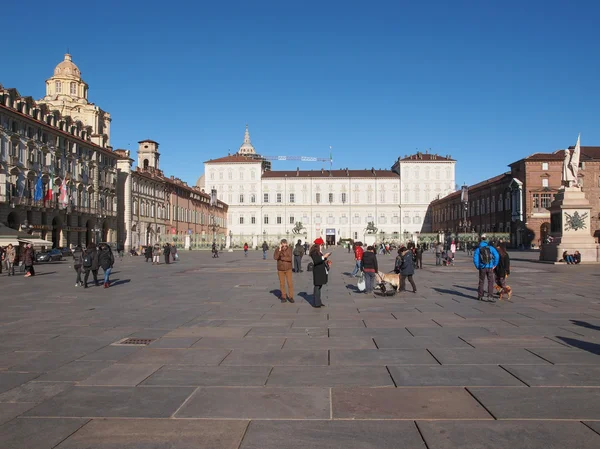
(124, 218)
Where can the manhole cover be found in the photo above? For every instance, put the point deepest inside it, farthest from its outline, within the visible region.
(136, 341)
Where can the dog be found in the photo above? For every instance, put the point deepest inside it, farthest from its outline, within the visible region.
(390, 278)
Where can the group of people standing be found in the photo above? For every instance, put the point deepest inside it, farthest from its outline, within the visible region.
(493, 264)
(90, 260)
(10, 256)
(154, 252)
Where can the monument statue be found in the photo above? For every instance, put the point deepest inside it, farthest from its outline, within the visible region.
(571, 166)
(298, 228)
(370, 229)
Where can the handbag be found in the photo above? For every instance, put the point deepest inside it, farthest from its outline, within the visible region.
(361, 284)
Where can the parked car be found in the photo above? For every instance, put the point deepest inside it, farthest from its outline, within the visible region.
(49, 256)
(66, 252)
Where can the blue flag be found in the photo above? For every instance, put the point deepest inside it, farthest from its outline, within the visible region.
(39, 190)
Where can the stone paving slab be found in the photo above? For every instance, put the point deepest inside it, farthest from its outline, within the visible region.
(74, 371)
(258, 403)
(507, 434)
(110, 353)
(10, 410)
(353, 434)
(257, 343)
(540, 403)
(174, 342)
(567, 356)
(36, 433)
(121, 374)
(452, 376)
(157, 433)
(329, 343)
(9, 380)
(276, 358)
(557, 375)
(209, 376)
(381, 357)
(419, 342)
(405, 403)
(368, 332)
(194, 356)
(126, 402)
(475, 356)
(330, 376)
(34, 391)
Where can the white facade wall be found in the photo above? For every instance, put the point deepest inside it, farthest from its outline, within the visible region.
(395, 205)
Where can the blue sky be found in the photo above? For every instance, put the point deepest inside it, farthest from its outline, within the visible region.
(487, 82)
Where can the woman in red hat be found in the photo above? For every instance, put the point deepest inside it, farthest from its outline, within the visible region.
(321, 266)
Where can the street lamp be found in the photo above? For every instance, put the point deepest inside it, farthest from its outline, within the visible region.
(214, 226)
(26, 227)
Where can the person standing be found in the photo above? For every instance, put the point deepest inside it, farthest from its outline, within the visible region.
(265, 248)
(148, 252)
(358, 255)
(90, 263)
(369, 268)
(298, 253)
(405, 265)
(29, 260)
(306, 248)
(453, 249)
(420, 256)
(321, 266)
(174, 253)
(167, 252)
(485, 259)
(2, 258)
(245, 250)
(156, 254)
(10, 256)
(106, 260)
(502, 271)
(283, 256)
(215, 251)
(77, 264)
(439, 249)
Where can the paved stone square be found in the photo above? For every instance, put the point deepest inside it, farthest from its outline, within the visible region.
(231, 367)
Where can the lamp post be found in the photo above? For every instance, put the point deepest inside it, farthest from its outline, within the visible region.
(96, 232)
(214, 226)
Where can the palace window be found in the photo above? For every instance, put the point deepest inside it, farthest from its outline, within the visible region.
(58, 87)
(356, 219)
(317, 198)
(292, 219)
(292, 198)
(253, 198)
(241, 197)
(265, 198)
(330, 198)
(73, 89)
(253, 219)
(546, 200)
(266, 219)
(279, 197)
(278, 219)
(544, 182)
(330, 219)
(344, 197)
(241, 219)
(544, 165)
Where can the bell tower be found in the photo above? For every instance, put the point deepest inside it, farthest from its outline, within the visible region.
(148, 155)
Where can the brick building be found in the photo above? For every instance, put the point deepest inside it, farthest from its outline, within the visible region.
(517, 202)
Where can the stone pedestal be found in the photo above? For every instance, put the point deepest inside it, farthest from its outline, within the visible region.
(370, 239)
(570, 227)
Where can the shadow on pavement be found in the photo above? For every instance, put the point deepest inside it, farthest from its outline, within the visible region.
(119, 282)
(453, 293)
(308, 298)
(44, 274)
(276, 293)
(473, 289)
(585, 345)
(585, 324)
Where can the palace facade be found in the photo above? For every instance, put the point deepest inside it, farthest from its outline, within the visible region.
(58, 176)
(267, 204)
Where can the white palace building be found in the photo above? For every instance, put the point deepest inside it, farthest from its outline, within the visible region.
(267, 204)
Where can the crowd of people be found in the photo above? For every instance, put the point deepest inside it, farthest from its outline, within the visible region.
(153, 253)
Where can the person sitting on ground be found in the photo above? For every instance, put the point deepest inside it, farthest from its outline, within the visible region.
(577, 257)
(568, 258)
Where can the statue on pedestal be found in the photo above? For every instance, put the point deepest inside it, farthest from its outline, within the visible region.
(571, 166)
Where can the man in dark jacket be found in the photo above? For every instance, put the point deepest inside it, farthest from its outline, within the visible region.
(90, 263)
(106, 260)
(77, 264)
(29, 260)
(369, 268)
(298, 253)
(407, 268)
(265, 248)
(167, 252)
(148, 253)
(419, 256)
(485, 259)
(283, 256)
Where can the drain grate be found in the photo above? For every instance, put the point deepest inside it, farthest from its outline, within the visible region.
(136, 341)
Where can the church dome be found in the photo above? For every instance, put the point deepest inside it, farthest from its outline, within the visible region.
(200, 182)
(67, 68)
(247, 147)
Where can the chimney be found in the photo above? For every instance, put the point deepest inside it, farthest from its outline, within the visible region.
(322, 171)
(373, 171)
(347, 172)
(297, 171)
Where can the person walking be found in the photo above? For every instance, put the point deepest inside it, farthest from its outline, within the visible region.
(10, 256)
(29, 260)
(167, 252)
(148, 252)
(405, 265)
(265, 248)
(453, 249)
(307, 247)
(439, 250)
(106, 260)
(283, 256)
(502, 271)
(358, 255)
(77, 264)
(174, 253)
(419, 256)
(2, 258)
(245, 250)
(320, 270)
(485, 259)
(90, 263)
(369, 268)
(156, 252)
(298, 253)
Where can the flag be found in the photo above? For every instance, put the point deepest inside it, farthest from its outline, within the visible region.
(64, 198)
(39, 190)
(50, 191)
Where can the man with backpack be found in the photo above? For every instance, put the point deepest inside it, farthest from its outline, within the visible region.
(485, 259)
(90, 263)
